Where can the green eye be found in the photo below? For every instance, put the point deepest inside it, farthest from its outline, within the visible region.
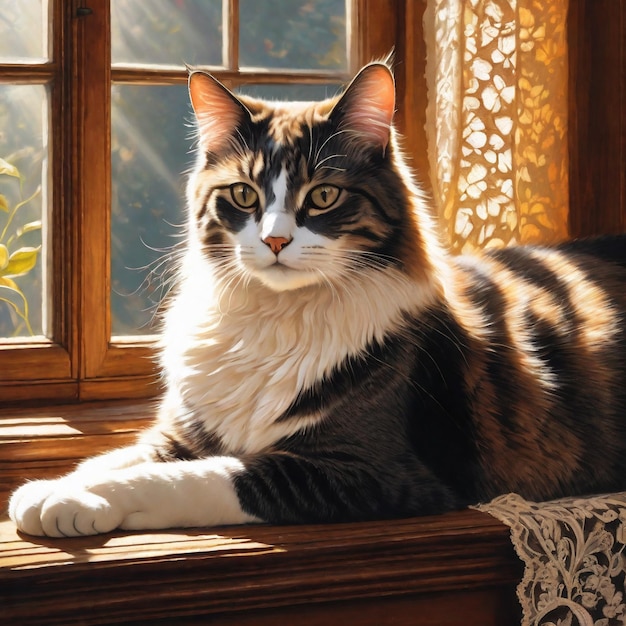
(244, 196)
(323, 197)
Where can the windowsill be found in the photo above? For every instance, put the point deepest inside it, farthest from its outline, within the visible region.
(458, 568)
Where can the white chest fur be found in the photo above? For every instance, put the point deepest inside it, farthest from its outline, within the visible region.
(239, 358)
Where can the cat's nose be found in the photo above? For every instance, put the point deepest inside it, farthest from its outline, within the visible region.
(276, 244)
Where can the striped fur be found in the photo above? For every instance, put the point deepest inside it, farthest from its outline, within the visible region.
(326, 359)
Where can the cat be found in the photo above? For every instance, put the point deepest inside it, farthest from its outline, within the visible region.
(327, 360)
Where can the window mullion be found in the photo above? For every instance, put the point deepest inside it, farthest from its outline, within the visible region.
(91, 197)
(230, 13)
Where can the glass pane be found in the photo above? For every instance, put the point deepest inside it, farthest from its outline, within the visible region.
(294, 34)
(166, 32)
(23, 31)
(149, 154)
(23, 193)
(292, 91)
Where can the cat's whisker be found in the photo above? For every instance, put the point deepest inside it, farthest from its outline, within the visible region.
(310, 129)
(369, 254)
(325, 143)
(329, 284)
(334, 169)
(228, 289)
(156, 284)
(328, 158)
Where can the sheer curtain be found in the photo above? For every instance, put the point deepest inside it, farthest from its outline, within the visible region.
(497, 119)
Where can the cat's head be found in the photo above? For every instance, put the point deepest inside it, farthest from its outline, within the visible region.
(300, 194)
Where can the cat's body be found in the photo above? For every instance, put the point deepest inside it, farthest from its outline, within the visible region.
(326, 360)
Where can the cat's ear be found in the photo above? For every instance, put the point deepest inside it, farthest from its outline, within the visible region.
(366, 108)
(218, 111)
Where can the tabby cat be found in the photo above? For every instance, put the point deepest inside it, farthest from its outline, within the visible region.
(327, 360)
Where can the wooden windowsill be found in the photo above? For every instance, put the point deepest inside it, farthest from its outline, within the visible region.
(458, 568)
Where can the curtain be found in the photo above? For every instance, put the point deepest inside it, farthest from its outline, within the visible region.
(497, 120)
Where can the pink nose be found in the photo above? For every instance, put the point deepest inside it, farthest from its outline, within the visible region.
(276, 244)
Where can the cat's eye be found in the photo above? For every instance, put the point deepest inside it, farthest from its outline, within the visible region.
(244, 196)
(322, 198)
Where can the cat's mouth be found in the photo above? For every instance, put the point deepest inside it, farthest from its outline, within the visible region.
(281, 277)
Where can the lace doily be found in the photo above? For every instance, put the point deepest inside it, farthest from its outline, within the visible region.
(573, 551)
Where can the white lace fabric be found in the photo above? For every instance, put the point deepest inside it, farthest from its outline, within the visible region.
(573, 555)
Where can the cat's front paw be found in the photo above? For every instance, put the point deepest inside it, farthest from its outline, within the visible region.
(61, 508)
(26, 503)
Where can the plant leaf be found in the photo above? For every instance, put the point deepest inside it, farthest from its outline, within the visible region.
(7, 294)
(4, 256)
(8, 169)
(4, 204)
(28, 228)
(21, 262)
(7, 282)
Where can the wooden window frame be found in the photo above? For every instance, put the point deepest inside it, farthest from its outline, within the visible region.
(597, 117)
(49, 364)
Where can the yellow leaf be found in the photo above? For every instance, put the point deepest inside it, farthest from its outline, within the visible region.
(4, 204)
(4, 256)
(8, 169)
(7, 282)
(30, 227)
(21, 262)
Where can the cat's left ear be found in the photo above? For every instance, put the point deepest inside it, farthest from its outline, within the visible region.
(366, 108)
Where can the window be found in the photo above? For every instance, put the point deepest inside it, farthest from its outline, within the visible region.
(94, 146)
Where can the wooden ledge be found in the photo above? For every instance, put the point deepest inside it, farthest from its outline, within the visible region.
(458, 568)
(441, 565)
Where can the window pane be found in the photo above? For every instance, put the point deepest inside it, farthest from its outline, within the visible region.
(23, 190)
(23, 31)
(291, 91)
(166, 32)
(294, 34)
(149, 153)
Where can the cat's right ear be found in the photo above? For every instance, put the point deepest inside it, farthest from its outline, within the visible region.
(218, 111)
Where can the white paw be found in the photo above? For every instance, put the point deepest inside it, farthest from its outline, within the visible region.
(26, 503)
(62, 508)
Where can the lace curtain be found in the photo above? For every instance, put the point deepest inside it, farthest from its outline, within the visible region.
(497, 119)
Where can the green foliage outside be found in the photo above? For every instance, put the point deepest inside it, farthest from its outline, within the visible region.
(16, 259)
(23, 206)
